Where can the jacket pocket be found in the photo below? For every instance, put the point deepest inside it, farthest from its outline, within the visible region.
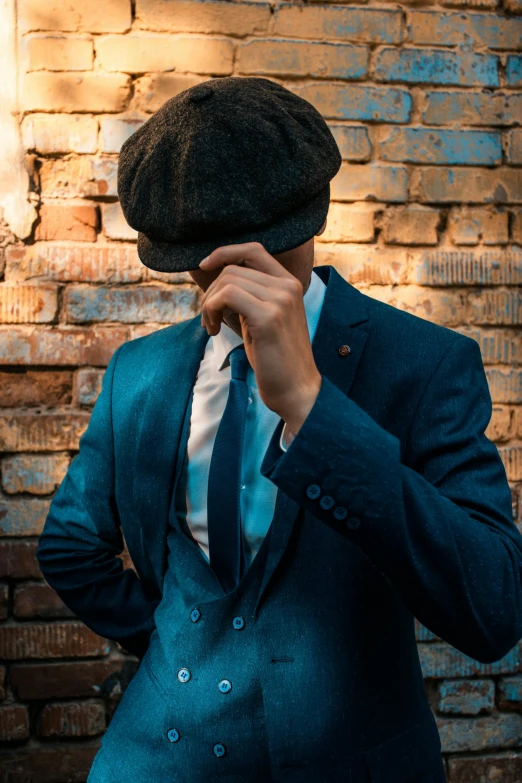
(413, 756)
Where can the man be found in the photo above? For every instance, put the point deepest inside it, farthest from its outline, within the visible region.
(298, 472)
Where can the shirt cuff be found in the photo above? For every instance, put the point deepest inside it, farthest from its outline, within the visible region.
(286, 438)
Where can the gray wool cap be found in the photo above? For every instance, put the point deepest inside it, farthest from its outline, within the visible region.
(231, 160)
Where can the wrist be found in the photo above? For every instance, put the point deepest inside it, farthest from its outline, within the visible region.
(301, 407)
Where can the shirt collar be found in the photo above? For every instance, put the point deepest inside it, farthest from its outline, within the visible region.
(226, 339)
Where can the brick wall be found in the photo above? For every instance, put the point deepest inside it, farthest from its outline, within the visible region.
(425, 103)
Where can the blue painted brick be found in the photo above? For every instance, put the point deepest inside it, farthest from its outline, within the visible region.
(514, 70)
(427, 145)
(454, 28)
(511, 689)
(466, 697)
(434, 66)
(441, 660)
(357, 102)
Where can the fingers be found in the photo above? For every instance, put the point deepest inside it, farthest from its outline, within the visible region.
(249, 254)
(255, 309)
(233, 273)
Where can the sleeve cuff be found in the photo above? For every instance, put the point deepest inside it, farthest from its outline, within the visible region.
(286, 438)
(341, 454)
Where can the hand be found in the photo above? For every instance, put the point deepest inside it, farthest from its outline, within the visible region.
(269, 302)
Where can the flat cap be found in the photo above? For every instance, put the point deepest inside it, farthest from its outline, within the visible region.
(228, 161)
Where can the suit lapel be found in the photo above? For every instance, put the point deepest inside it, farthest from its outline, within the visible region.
(156, 465)
(162, 439)
(342, 322)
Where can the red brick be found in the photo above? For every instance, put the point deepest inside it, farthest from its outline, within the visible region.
(47, 764)
(495, 307)
(471, 225)
(14, 723)
(62, 345)
(72, 719)
(449, 266)
(37, 474)
(28, 303)
(498, 346)
(505, 385)
(372, 25)
(411, 225)
(143, 53)
(50, 640)
(365, 264)
(369, 181)
(76, 15)
(472, 734)
(273, 57)
(97, 263)
(516, 230)
(62, 680)
(35, 387)
(88, 385)
(238, 19)
(18, 560)
(48, 133)
(77, 223)
(38, 601)
(511, 457)
(4, 600)
(23, 516)
(500, 768)
(130, 304)
(466, 184)
(350, 223)
(152, 90)
(44, 432)
(59, 53)
(80, 177)
(70, 91)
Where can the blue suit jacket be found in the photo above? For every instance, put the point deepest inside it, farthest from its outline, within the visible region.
(392, 503)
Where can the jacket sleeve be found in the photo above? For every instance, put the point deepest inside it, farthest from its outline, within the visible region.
(438, 524)
(81, 539)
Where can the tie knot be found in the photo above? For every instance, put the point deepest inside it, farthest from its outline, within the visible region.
(239, 363)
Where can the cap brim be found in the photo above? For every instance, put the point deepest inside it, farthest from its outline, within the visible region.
(288, 232)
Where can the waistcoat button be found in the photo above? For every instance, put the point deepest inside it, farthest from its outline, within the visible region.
(219, 749)
(313, 491)
(238, 623)
(173, 735)
(225, 686)
(183, 675)
(326, 502)
(195, 615)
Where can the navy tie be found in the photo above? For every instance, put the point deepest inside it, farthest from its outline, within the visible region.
(225, 537)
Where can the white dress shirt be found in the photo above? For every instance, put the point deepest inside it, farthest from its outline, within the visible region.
(210, 398)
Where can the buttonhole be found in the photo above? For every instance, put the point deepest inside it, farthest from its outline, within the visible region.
(283, 659)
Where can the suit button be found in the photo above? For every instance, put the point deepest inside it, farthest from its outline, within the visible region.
(219, 749)
(225, 686)
(195, 615)
(353, 523)
(340, 512)
(173, 735)
(183, 675)
(238, 623)
(326, 502)
(313, 491)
